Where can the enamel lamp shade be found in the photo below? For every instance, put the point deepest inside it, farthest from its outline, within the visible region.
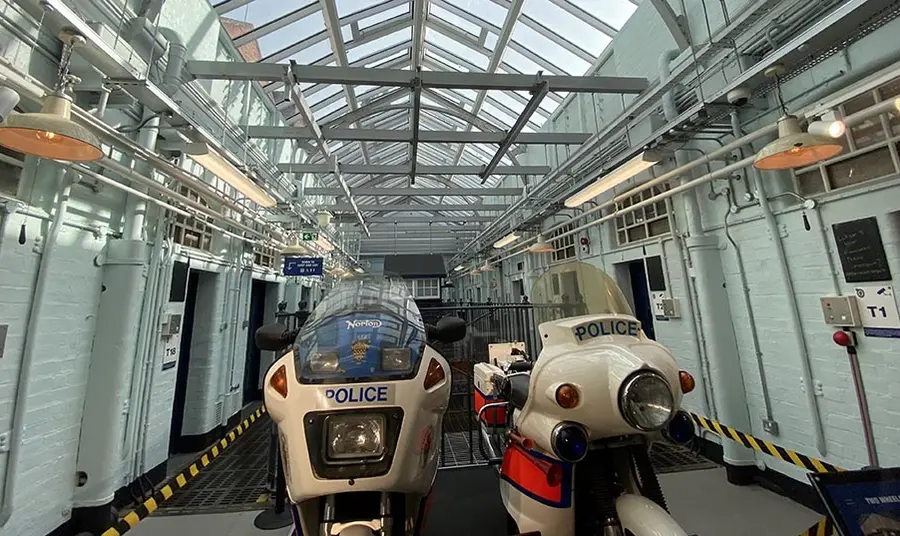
(51, 133)
(795, 148)
(540, 246)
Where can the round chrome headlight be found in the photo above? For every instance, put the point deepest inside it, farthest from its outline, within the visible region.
(646, 401)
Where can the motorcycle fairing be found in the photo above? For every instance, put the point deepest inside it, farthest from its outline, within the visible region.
(527, 470)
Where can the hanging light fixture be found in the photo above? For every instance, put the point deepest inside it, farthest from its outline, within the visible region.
(793, 148)
(487, 267)
(51, 133)
(294, 247)
(638, 164)
(219, 166)
(506, 240)
(540, 246)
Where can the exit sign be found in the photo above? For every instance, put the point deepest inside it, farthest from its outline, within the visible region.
(309, 237)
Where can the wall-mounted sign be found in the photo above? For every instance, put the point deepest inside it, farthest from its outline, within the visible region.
(170, 352)
(659, 311)
(878, 311)
(861, 251)
(300, 266)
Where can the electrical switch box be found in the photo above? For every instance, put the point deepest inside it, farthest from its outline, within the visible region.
(671, 308)
(841, 311)
(172, 325)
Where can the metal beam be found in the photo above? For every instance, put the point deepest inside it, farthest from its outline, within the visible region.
(309, 120)
(402, 190)
(402, 220)
(416, 208)
(315, 74)
(404, 169)
(586, 16)
(536, 97)
(274, 25)
(673, 22)
(352, 202)
(414, 126)
(406, 136)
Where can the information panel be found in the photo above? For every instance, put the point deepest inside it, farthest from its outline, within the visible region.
(862, 503)
(300, 266)
(861, 251)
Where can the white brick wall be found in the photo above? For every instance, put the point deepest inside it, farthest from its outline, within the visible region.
(46, 468)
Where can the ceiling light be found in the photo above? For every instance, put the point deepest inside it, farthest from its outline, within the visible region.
(219, 166)
(359, 270)
(795, 148)
(294, 248)
(487, 267)
(459, 268)
(506, 240)
(827, 129)
(638, 164)
(51, 133)
(541, 246)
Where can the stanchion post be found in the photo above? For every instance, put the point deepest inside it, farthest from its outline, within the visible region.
(276, 516)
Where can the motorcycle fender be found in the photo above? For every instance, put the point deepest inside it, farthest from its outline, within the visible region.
(644, 517)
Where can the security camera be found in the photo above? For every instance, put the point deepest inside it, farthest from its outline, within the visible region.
(8, 101)
(739, 96)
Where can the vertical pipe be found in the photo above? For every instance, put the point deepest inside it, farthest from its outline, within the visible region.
(712, 299)
(796, 324)
(32, 329)
(136, 208)
(863, 406)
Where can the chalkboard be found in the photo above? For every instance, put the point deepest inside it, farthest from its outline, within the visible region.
(861, 251)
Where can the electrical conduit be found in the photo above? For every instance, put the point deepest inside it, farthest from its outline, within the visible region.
(32, 330)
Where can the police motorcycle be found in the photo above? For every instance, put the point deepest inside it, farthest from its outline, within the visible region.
(571, 430)
(359, 401)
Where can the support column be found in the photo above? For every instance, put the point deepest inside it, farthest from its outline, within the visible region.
(101, 455)
(724, 360)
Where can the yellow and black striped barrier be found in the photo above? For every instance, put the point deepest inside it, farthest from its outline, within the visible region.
(164, 493)
(824, 527)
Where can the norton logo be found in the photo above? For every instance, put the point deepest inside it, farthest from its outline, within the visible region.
(353, 324)
(606, 327)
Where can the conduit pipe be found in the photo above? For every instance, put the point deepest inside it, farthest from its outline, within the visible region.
(127, 189)
(796, 325)
(32, 330)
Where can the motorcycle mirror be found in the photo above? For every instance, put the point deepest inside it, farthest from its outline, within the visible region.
(271, 337)
(450, 329)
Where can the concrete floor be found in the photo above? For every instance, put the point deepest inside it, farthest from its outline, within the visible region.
(702, 501)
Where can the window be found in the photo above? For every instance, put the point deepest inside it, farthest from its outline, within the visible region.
(563, 248)
(869, 147)
(264, 256)
(646, 222)
(428, 289)
(192, 232)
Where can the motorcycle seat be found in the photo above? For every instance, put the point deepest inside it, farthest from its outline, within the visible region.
(518, 390)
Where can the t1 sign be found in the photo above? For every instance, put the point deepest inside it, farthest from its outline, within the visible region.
(878, 311)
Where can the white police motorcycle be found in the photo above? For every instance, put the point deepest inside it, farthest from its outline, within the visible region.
(571, 431)
(359, 401)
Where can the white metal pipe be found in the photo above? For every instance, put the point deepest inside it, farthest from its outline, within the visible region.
(796, 324)
(116, 184)
(23, 383)
(136, 207)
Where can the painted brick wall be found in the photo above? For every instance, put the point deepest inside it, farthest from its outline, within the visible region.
(43, 495)
(206, 356)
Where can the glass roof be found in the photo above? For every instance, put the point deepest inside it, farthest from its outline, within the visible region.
(502, 36)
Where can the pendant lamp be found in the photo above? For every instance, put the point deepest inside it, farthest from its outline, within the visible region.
(51, 133)
(794, 147)
(541, 246)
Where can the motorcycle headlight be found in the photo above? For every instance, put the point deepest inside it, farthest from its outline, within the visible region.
(395, 358)
(323, 362)
(646, 401)
(351, 437)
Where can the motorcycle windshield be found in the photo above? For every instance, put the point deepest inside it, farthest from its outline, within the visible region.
(363, 330)
(576, 289)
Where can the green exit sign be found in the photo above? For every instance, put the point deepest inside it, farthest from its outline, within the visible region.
(309, 237)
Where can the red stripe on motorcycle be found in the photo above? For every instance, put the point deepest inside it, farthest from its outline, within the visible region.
(527, 473)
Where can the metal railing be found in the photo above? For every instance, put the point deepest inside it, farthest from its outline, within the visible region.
(487, 324)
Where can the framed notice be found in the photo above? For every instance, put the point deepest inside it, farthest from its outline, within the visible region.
(861, 251)
(862, 503)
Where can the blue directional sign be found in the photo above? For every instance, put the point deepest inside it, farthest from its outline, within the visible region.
(297, 266)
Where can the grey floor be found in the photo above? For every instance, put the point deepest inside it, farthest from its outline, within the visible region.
(702, 501)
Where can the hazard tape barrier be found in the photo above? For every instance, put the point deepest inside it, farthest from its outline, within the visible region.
(824, 527)
(164, 493)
